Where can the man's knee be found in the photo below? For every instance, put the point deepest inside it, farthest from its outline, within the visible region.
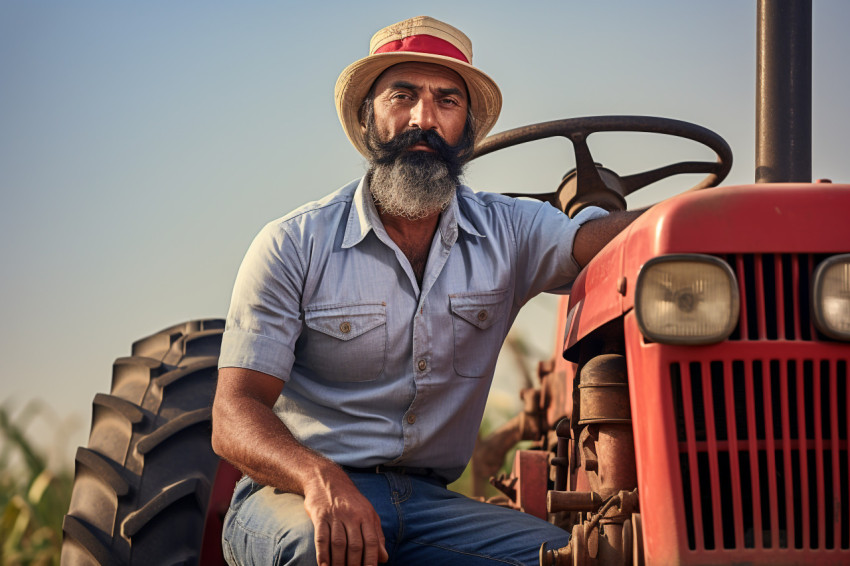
(269, 527)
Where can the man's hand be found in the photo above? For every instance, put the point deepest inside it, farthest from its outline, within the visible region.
(347, 528)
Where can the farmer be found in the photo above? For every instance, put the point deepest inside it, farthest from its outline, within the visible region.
(364, 329)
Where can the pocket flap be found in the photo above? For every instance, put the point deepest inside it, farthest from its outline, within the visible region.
(346, 321)
(479, 309)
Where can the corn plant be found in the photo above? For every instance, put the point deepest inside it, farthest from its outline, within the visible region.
(33, 499)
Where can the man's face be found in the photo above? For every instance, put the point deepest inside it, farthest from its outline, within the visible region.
(419, 136)
(420, 96)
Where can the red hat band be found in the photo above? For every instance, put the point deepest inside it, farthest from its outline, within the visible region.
(423, 44)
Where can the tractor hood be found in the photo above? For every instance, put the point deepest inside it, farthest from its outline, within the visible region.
(763, 218)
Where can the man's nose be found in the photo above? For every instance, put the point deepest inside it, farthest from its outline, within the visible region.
(423, 115)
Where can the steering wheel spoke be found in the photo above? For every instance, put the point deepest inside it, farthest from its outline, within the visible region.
(637, 181)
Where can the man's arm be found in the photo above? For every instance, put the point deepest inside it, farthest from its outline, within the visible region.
(594, 234)
(247, 433)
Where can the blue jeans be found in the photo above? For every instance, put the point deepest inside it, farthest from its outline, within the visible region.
(423, 522)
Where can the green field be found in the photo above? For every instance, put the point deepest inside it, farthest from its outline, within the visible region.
(33, 498)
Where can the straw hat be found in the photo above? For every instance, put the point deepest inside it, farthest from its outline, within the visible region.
(420, 39)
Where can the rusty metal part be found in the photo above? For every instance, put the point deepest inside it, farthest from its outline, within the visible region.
(604, 391)
(501, 501)
(615, 464)
(637, 541)
(611, 503)
(591, 533)
(561, 462)
(531, 468)
(605, 438)
(587, 448)
(489, 453)
(610, 544)
(608, 538)
(557, 501)
(629, 501)
(556, 557)
(578, 546)
(607, 195)
(531, 425)
(506, 485)
(589, 181)
(628, 543)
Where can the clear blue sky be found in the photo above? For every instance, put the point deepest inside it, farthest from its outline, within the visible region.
(143, 144)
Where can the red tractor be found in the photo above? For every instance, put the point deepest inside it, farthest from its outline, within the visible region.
(697, 412)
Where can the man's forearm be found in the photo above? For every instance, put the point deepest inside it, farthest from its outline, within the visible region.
(250, 436)
(594, 234)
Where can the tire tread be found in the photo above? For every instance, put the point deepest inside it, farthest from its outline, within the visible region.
(143, 484)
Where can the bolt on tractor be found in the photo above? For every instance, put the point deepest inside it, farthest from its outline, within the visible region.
(696, 411)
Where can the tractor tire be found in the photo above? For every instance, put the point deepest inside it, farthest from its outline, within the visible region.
(148, 488)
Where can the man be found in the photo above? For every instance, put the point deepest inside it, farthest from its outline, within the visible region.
(364, 330)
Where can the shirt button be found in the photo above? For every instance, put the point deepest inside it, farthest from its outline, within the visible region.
(422, 365)
(482, 315)
(411, 418)
(345, 327)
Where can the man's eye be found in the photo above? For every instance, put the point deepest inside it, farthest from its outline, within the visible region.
(450, 101)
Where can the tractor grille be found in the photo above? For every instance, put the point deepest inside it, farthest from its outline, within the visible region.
(773, 476)
(775, 291)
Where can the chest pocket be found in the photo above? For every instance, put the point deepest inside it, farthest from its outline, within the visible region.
(345, 343)
(478, 320)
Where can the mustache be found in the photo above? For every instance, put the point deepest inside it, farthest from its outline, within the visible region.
(386, 152)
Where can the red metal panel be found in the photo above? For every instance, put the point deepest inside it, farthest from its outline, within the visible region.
(780, 297)
(795, 277)
(755, 480)
(832, 375)
(531, 468)
(718, 221)
(819, 472)
(847, 417)
(748, 219)
(690, 435)
(739, 268)
(811, 262)
(658, 450)
(770, 440)
(802, 454)
(790, 512)
(711, 439)
(735, 468)
(760, 298)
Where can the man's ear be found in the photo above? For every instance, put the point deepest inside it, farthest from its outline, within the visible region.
(363, 127)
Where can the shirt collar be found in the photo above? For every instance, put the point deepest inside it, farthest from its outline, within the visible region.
(363, 217)
(463, 221)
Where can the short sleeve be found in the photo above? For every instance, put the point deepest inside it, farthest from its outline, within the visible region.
(264, 319)
(545, 237)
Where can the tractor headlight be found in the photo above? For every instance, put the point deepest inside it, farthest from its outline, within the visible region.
(686, 299)
(832, 297)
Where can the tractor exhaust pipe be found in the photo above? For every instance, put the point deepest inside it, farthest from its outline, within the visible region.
(784, 91)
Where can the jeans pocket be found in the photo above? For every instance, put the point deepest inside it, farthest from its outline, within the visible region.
(478, 321)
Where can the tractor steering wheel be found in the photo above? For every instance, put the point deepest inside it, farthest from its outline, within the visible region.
(590, 183)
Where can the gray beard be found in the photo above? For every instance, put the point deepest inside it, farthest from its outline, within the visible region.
(413, 186)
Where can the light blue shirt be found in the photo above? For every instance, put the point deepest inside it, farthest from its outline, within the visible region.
(379, 370)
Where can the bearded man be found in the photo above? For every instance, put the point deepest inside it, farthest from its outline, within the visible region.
(364, 329)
